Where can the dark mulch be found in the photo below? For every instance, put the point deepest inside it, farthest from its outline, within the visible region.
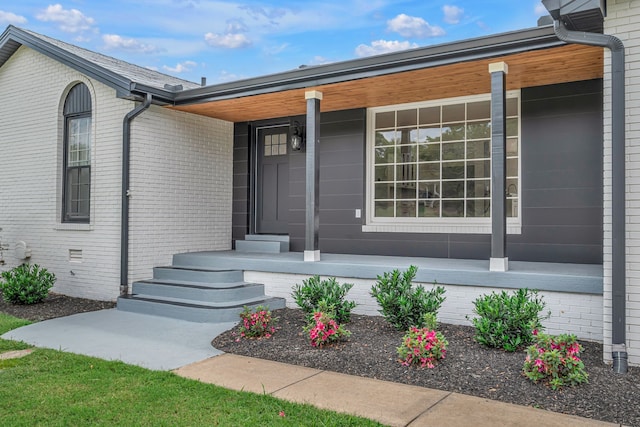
(370, 352)
(468, 368)
(55, 305)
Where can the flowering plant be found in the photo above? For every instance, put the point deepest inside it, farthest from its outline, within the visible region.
(423, 346)
(555, 359)
(257, 324)
(323, 329)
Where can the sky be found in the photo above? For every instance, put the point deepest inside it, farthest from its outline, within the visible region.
(228, 40)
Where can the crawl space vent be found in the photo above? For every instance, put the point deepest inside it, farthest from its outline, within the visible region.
(75, 255)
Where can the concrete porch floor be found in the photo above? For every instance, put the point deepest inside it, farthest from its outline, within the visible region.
(575, 278)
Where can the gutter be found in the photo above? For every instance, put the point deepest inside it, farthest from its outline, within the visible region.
(618, 215)
(124, 221)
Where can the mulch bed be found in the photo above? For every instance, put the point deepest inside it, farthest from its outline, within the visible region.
(55, 305)
(371, 352)
(468, 367)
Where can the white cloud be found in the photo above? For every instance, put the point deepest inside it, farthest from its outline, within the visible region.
(378, 47)
(228, 41)
(11, 18)
(452, 14)
(276, 49)
(181, 67)
(413, 27)
(82, 39)
(319, 60)
(483, 26)
(273, 15)
(226, 76)
(540, 10)
(232, 38)
(69, 20)
(236, 26)
(116, 42)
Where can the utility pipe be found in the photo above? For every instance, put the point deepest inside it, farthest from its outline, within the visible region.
(124, 219)
(618, 215)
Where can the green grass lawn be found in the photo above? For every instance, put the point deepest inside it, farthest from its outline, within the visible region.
(50, 387)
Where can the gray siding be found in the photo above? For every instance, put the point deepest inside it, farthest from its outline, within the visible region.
(561, 186)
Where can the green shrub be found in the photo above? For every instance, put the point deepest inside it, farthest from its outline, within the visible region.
(404, 305)
(313, 291)
(508, 321)
(26, 284)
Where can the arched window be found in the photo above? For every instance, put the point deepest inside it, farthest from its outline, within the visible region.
(77, 155)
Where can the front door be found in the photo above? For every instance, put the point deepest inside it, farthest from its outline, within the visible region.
(272, 181)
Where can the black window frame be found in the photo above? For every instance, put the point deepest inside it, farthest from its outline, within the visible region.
(77, 106)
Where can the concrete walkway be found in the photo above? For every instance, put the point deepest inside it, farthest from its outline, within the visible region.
(389, 403)
(168, 344)
(153, 342)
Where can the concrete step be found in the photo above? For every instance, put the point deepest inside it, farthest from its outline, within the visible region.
(193, 311)
(195, 261)
(195, 293)
(263, 243)
(268, 237)
(197, 274)
(198, 291)
(261, 246)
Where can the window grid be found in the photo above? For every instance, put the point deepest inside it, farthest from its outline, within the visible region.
(79, 141)
(435, 161)
(275, 145)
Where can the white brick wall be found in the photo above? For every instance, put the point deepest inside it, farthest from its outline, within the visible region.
(33, 89)
(181, 187)
(622, 21)
(180, 180)
(570, 313)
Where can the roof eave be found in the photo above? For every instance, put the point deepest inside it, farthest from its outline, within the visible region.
(125, 88)
(111, 79)
(138, 91)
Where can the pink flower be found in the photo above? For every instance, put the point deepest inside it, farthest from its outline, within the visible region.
(282, 414)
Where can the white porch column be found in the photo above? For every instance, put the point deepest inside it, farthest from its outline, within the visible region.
(498, 260)
(312, 205)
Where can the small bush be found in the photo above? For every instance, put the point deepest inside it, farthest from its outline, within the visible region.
(403, 305)
(26, 284)
(313, 291)
(508, 321)
(555, 360)
(257, 324)
(324, 329)
(423, 346)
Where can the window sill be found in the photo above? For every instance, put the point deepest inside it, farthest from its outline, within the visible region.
(437, 228)
(73, 227)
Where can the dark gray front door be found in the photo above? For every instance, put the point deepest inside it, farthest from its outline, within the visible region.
(272, 198)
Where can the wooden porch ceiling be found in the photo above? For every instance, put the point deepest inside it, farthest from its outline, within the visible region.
(535, 68)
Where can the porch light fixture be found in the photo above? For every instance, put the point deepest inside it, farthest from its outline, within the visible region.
(297, 136)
